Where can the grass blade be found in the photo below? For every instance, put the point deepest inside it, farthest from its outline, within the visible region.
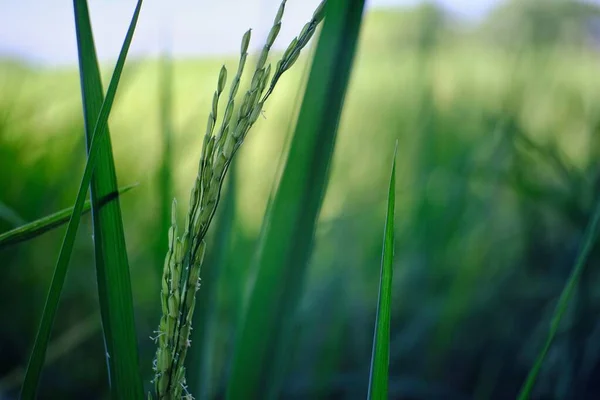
(112, 265)
(380, 357)
(40, 226)
(36, 361)
(589, 240)
(288, 229)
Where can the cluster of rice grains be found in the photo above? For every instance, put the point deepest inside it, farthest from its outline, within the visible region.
(181, 275)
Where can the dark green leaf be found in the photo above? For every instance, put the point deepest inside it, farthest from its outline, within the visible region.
(380, 357)
(288, 229)
(112, 265)
(36, 362)
(49, 222)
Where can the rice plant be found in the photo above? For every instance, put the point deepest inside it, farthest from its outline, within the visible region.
(380, 358)
(288, 298)
(116, 297)
(181, 274)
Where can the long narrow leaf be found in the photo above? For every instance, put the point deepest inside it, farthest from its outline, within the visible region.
(40, 226)
(288, 229)
(36, 361)
(380, 357)
(112, 264)
(589, 240)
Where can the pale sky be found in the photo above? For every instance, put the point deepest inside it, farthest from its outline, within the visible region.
(42, 32)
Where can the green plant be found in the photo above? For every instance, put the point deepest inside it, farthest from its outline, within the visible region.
(181, 274)
(110, 250)
(40, 226)
(380, 358)
(286, 239)
(589, 240)
(128, 382)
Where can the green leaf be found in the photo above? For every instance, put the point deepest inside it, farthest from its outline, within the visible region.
(112, 265)
(288, 229)
(380, 357)
(36, 362)
(49, 222)
(589, 240)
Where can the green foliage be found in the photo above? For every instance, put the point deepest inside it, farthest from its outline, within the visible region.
(112, 264)
(49, 222)
(380, 358)
(589, 240)
(36, 361)
(486, 231)
(288, 228)
(181, 274)
(542, 23)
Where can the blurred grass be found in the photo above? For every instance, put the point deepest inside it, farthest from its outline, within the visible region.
(589, 241)
(487, 227)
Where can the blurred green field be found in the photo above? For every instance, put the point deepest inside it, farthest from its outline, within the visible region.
(498, 170)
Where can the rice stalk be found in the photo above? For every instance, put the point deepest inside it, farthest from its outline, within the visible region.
(181, 273)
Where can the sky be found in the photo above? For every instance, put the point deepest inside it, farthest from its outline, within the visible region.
(42, 32)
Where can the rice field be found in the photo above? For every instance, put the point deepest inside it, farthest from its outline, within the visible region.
(496, 181)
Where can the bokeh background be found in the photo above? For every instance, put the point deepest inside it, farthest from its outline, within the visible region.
(496, 110)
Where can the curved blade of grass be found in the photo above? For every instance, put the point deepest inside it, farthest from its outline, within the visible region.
(589, 240)
(288, 228)
(36, 361)
(112, 265)
(40, 226)
(380, 357)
